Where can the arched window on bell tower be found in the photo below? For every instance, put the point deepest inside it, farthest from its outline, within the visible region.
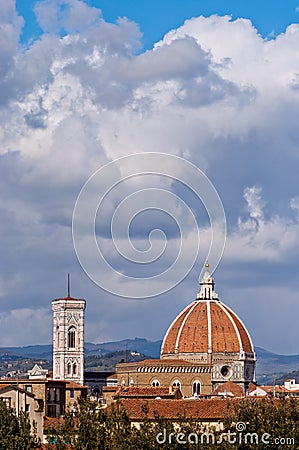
(71, 338)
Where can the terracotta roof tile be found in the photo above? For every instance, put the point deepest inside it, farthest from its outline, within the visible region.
(194, 335)
(109, 388)
(224, 336)
(172, 333)
(148, 392)
(252, 387)
(277, 389)
(272, 389)
(211, 409)
(189, 332)
(68, 297)
(230, 388)
(112, 377)
(247, 347)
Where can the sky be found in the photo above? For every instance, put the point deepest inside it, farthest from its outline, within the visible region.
(215, 83)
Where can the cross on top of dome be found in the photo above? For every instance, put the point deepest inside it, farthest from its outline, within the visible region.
(207, 286)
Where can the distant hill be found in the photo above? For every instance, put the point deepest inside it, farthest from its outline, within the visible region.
(106, 362)
(270, 366)
(293, 374)
(150, 348)
(29, 351)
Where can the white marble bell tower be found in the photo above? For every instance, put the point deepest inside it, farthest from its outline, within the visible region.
(68, 338)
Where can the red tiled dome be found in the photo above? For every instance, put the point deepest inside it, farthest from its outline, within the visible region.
(206, 326)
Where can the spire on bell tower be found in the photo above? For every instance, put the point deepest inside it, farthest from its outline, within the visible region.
(207, 286)
(68, 286)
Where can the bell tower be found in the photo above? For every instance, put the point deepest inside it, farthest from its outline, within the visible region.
(68, 338)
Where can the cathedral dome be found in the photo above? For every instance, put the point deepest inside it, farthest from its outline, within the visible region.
(206, 326)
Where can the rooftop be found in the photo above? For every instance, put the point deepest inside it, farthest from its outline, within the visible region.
(210, 409)
(230, 389)
(148, 392)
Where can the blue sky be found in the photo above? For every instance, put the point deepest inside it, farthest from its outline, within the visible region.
(221, 93)
(157, 17)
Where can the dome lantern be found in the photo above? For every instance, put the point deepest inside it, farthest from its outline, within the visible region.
(207, 286)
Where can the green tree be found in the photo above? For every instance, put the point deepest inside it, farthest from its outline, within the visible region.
(15, 431)
(275, 418)
(91, 428)
(85, 427)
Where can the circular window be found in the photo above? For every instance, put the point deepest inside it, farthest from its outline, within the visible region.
(225, 371)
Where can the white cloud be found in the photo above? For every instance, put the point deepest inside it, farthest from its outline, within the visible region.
(10, 29)
(253, 198)
(213, 91)
(294, 204)
(70, 16)
(273, 239)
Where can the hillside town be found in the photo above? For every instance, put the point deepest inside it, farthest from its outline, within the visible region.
(207, 363)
